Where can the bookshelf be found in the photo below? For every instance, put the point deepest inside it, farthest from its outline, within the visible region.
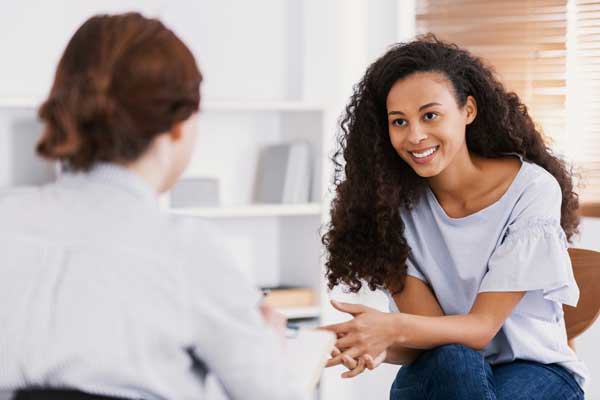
(293, 313)
(252, 211)
(274, 71)
(264, 106)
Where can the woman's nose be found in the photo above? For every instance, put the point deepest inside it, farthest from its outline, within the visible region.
(416, 134)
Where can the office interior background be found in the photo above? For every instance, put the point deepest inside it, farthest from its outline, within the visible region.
(280, 72)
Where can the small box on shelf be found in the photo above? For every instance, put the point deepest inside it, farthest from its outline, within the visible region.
(195, 192)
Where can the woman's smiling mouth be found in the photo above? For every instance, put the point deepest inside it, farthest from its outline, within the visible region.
(424, 156)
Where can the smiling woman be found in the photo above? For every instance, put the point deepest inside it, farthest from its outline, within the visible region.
(418, 132)
(462, 217)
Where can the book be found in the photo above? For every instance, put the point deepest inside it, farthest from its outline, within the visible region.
(307, 353)
(284, 297)
(296, 188)
(283, 174)
(195, 192)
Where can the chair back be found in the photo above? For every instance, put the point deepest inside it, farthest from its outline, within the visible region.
(586, 267)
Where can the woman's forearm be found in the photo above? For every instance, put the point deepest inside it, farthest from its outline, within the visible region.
(423, 332)
(401, 355)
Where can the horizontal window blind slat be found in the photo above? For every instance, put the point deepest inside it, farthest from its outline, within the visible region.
(526, 43)
(585, 89)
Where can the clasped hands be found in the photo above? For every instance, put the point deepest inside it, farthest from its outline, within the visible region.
(362, 341)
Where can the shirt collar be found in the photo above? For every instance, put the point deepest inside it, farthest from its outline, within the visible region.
(122, 178)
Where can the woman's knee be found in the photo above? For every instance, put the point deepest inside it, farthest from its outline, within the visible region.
(456, 361)
(453, 353)
(450, 371)
(450, 361)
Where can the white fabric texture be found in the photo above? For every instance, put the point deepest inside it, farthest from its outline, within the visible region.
(104, 293)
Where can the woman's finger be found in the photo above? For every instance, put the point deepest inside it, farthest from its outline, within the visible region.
(335, 352)
(352, 309)
(372, 363)
(352, 352)
(334, 361)
(339, 329)
(349, 362)
(369, 362)
(346, 341)
(360, 367)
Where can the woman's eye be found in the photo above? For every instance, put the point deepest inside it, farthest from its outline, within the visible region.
(430, 116)
(399, 122)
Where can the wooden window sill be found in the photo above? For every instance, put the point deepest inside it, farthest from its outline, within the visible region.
(590, 210)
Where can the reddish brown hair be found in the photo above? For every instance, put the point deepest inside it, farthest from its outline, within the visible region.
(122, 80)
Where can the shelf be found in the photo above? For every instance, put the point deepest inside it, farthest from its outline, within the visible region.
(256, 210)
(250, 105)
(300, 312)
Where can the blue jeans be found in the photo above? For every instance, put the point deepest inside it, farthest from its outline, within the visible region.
(452, 372)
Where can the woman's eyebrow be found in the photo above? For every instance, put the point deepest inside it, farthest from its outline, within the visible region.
(420, 108)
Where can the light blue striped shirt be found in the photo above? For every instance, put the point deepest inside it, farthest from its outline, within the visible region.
(104, 293)
(515, 244)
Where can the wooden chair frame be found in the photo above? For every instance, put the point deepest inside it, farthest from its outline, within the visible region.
(586, 267)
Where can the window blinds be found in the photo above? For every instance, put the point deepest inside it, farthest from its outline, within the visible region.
(526, 42)
(584, 93)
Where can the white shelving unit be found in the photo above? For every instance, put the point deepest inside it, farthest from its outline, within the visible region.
(265, 106)
(252, 211)
(301, 312)
(274, 71)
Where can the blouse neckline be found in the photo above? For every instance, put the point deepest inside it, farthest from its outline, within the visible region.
(478, 213)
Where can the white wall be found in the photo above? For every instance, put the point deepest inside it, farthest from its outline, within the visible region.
(35, 32)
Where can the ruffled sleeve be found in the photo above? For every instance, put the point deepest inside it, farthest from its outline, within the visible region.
(533, 257)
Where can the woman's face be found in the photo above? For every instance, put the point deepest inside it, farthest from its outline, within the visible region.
(426, 125)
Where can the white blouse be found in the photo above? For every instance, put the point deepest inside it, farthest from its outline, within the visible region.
(104, 293)
(515, 244)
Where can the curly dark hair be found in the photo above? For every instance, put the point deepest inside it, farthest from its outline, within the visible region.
(365, 238)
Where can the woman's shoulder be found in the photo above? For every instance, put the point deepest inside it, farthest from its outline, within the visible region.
(526, 176)
(19, 201)
(537, 182)
(538, 195)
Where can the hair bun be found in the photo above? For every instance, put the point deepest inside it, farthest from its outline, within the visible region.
(110, 98)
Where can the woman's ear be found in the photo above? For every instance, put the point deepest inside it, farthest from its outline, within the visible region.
(471, 107)
(176, 132)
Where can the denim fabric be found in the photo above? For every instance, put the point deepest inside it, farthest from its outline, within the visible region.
(452, 372)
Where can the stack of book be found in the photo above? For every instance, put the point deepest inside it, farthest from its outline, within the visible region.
(283, 174)
(285, 297)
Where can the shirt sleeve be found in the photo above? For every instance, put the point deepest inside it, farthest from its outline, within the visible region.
(533, 255)
(413, 270)
(227, 331)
